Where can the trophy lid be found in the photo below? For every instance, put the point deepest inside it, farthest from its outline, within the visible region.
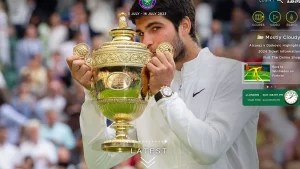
(122, 50)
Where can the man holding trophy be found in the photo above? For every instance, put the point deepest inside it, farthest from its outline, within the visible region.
(185, 104)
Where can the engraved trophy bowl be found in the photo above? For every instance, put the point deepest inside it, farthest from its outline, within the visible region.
(117, 83)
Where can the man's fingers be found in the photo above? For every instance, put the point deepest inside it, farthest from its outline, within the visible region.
(81, 72)
(86, 79)
(83, 69)
(163, 59)
(76, 65)
(156, 62)
(70, 60)
(170, 58)
(151, 68)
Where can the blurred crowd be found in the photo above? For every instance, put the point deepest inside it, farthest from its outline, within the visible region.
(40, 104)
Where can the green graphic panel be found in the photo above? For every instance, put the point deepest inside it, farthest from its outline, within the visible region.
(266, 97)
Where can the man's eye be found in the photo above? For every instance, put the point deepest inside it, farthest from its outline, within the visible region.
(140, 33)
(155, 28)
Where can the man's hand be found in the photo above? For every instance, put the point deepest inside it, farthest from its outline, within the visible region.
(162, 71)
(81, 72)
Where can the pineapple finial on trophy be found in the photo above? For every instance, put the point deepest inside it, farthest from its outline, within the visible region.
(122, 21)
(122, 32)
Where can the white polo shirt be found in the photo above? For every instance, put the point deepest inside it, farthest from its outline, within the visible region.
(8, 156)
(202, 125)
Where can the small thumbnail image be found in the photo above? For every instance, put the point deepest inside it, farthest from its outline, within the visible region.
(257, 73)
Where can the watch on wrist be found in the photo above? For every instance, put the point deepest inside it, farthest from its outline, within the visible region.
(165, 91)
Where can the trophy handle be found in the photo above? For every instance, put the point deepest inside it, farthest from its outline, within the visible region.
(83, 51)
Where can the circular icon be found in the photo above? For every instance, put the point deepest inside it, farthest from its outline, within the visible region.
(291, 17)
(147, 4)
(165, 46)
(275, 17)
(258, 16)
(291, 97)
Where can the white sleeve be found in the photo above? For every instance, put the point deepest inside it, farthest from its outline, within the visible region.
(94, 133)
(208, 139)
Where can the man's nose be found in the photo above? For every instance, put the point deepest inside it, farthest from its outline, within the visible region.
(147, 40)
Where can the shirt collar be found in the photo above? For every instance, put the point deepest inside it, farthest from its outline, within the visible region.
(191, 66)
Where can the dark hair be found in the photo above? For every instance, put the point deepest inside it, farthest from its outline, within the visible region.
(175, 11)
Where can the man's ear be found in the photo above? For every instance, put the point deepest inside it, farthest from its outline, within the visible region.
(185, 26)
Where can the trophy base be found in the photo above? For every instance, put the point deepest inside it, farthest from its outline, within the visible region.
(122, 146)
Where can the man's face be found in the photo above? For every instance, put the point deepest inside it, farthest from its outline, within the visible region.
(31, 31)
(154, 30)
(51, 117)
(33, 133)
